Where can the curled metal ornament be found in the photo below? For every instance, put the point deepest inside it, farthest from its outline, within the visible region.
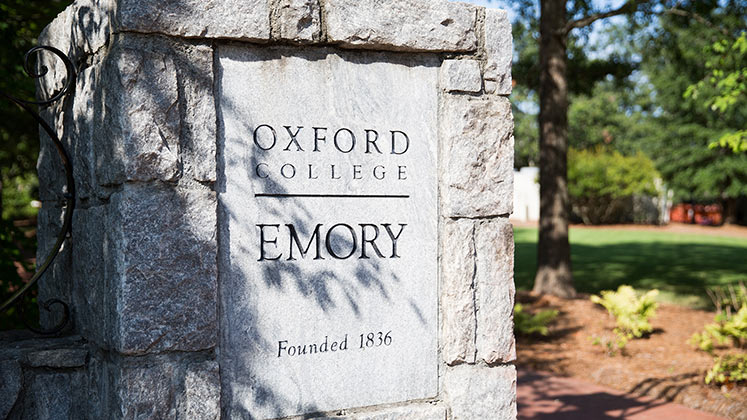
(26, 105)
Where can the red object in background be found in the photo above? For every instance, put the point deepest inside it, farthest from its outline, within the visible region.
(710, 214)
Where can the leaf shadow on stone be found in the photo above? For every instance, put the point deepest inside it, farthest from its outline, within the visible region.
(179, 324)
(96, 158)
(326, 288)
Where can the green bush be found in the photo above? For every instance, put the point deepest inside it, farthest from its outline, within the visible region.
(612, 345)
(725, 329)
(728, 369)
(602, 183)
(530, 324)
(728, 298)
(631, 312)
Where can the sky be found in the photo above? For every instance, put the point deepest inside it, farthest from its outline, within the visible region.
(596, 29)
(493, 4)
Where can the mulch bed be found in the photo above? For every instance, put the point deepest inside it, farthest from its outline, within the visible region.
(662, 365)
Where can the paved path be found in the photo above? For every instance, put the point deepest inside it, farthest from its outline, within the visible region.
(545, 397)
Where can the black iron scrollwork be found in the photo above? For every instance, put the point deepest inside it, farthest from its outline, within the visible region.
(69, 194)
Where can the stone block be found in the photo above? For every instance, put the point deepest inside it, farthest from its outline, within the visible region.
(477, 156)
(100, 398)
(491, 86)
(73, 119)
(461, 76)
(494, 284)
(57, 358)
(298, 20)
(10, 385)
(498, 50)
(480, 392)
(145, 391)
(55, 396)
(165, 387)
(156, 108)
(93, 295)
(201, 396)
(196, 110)
(49, 166)
(402, 25)
(164, 255)
(78, 31)
(247, 20)
(141, 124)
(410, 412)
(88, 105)
(458, 292)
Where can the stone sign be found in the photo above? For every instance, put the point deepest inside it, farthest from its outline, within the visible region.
(283, 208)
(329, 218)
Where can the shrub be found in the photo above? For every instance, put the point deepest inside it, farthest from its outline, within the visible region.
(612, 345)
(729, 298)
(631, 312)
(728, 369)
(602, 183)
(725, 329)
(530, 324)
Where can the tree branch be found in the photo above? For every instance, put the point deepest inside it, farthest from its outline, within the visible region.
(628, 7)
(699, 18)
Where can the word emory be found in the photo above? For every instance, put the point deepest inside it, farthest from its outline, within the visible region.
(341, 241)
(364, 341)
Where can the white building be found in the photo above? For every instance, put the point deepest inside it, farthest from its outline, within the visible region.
(526, 195)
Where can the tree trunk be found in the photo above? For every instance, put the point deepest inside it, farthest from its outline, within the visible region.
(729, 210)
(554, 251)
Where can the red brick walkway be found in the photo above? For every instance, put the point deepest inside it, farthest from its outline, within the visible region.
(545, 397)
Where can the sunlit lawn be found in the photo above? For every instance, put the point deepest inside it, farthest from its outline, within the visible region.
(681, 266)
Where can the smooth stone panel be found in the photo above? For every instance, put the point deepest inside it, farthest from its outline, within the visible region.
(269, 304)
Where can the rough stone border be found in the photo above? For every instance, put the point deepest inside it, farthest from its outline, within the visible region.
(141, 350)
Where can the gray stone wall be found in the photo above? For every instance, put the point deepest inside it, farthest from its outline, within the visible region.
(140, 269)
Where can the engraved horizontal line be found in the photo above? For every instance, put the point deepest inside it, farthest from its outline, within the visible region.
(331, 195)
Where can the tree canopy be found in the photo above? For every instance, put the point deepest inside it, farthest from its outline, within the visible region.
(21, 21)
(681, 88)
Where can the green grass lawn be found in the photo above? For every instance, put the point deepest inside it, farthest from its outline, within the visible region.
(681, 266)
